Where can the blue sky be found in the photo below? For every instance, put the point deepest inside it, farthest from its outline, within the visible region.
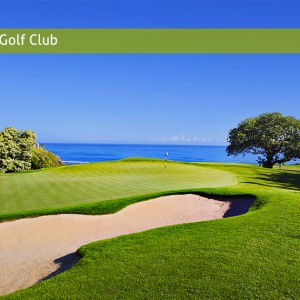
(153, 14)
(165, 99)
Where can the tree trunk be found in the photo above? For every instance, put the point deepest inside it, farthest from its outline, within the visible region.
(268, 164)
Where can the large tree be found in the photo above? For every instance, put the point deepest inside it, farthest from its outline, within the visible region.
(273, 136)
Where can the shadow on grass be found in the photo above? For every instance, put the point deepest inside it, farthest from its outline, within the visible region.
(289, 180)
(64, 263)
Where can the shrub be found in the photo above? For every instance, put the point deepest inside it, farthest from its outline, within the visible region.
(42, 158)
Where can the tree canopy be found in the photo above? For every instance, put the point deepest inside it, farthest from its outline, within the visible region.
(273, 136)
(17, 154)
(15, 148)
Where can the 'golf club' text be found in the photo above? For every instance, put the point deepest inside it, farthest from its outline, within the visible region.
(33, 39)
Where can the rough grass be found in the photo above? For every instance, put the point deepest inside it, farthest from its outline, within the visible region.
(89, 188)
(253, 256)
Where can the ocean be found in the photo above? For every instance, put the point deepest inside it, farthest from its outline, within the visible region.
(85, 153)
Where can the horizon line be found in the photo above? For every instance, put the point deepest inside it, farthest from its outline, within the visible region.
(133, 144)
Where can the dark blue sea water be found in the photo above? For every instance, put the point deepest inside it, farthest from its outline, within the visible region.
(84, 153)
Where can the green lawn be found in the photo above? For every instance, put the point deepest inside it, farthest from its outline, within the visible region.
(253, 256)
(69, 188)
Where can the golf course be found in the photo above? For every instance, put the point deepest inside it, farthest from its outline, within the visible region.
(251, 256)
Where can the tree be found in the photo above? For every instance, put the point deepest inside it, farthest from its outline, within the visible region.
(18, 152)
(272, 135)
(15, 146)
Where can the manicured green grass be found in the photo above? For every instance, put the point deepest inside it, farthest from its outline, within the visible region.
(253, 256)
(86, 188)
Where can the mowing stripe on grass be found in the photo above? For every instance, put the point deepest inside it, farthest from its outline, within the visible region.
(92, 183)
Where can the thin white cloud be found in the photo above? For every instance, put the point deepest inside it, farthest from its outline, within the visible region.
(185, 139)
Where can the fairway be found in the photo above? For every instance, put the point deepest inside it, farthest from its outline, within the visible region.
(75, 185)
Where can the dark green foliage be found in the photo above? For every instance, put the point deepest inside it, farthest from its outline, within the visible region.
(15, 148)
(272, 135)
(42, 158)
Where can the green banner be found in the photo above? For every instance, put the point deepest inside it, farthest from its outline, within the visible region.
(136, 41)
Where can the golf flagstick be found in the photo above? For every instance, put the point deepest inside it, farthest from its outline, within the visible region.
(166, 156)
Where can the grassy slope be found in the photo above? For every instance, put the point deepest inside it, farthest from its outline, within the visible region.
(85, 188)
(254, 256)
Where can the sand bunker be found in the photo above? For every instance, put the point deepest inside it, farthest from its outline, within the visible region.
(32, 250)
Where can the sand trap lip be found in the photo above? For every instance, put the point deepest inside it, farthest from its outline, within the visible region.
(34, 249)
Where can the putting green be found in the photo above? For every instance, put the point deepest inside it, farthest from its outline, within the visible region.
(92, 183)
